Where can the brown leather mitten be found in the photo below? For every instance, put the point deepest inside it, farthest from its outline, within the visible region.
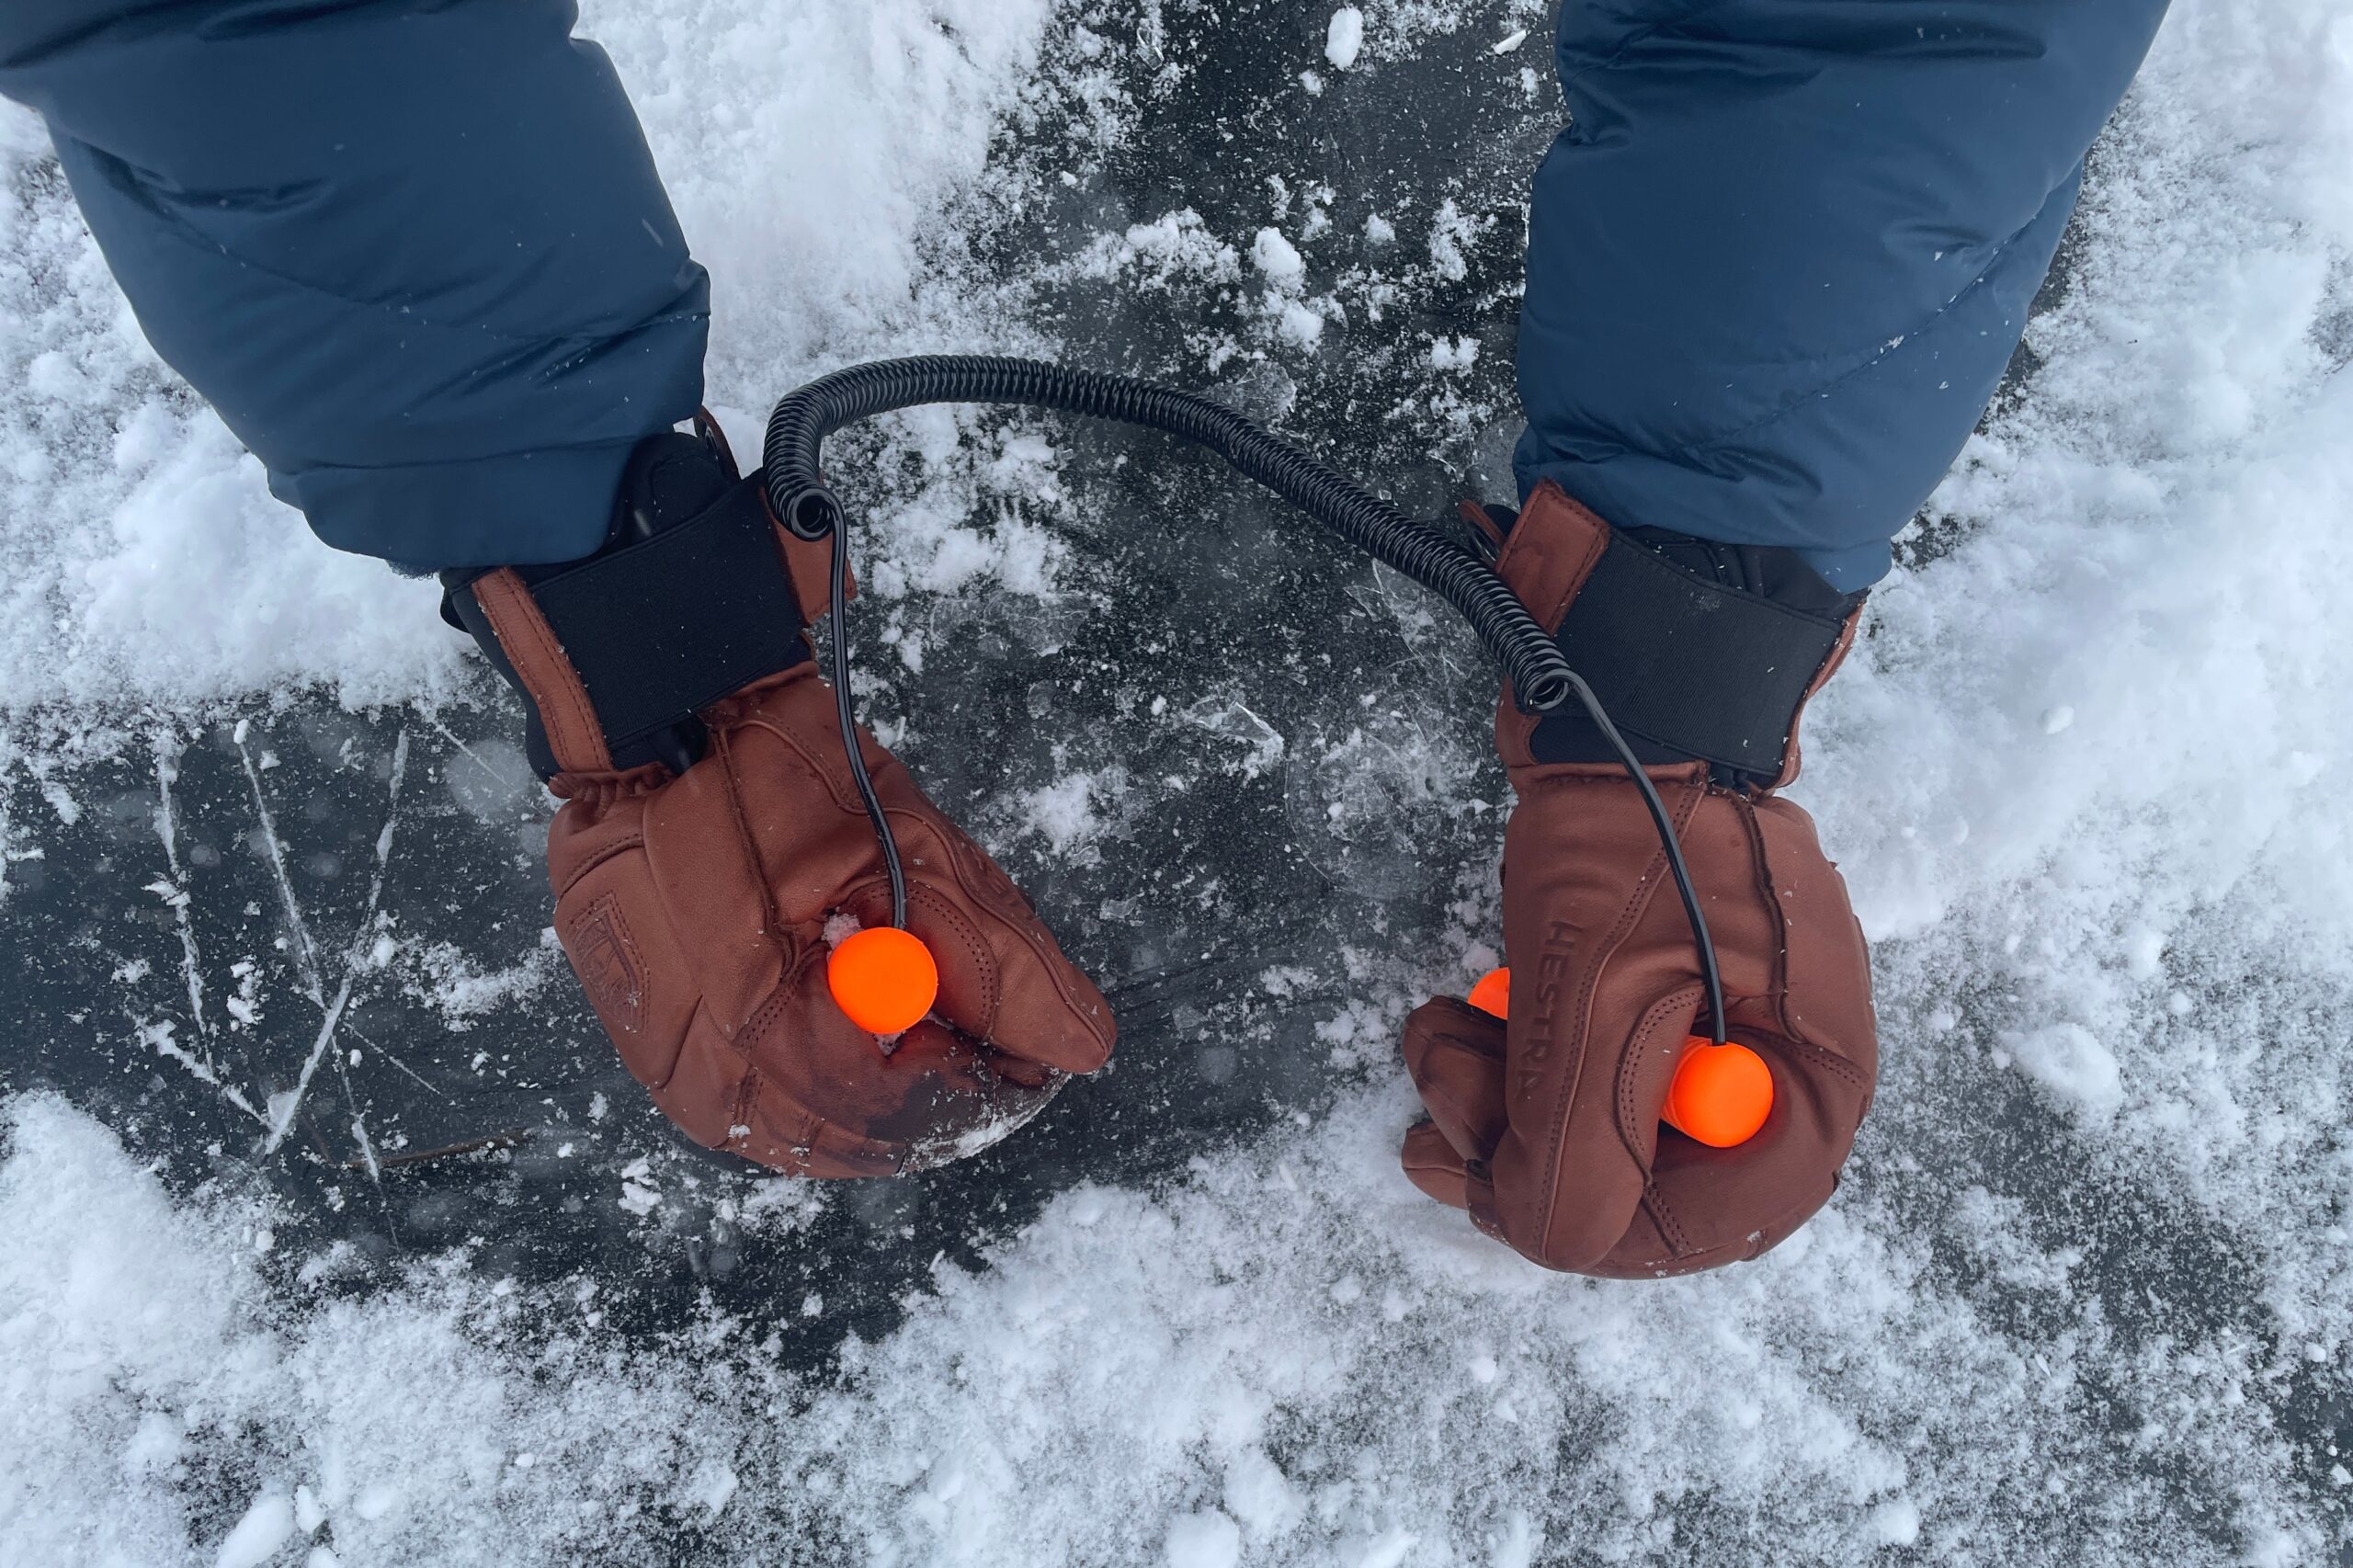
(1547, 1129)
(695, 898)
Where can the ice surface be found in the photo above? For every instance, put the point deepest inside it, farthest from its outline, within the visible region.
(2084, 1298)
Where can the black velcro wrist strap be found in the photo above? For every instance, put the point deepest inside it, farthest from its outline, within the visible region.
(659, 629)
(1697, 668)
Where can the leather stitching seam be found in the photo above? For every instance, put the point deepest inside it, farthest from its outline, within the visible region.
(992, 986)
(1655, 1201)
(1628, 1128)
(1028, 929)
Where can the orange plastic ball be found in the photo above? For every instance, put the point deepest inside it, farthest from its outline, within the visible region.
(1721, 1094)
(884, 977)
(1493, 994)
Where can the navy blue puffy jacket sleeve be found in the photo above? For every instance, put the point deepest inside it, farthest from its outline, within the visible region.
(416, 252)
(1780, 257)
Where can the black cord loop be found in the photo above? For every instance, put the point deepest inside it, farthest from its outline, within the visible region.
(1541, 678)
(803, 421)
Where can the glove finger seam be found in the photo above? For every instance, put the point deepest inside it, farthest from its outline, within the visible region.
(1761, 869)
(1791, 1032)
(772, 919)
(1663, 1215)
(1029, 929)
(975, 945)
(1628, 1127)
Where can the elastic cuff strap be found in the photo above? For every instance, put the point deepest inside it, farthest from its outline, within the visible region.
(1702, 669)
(656, 631)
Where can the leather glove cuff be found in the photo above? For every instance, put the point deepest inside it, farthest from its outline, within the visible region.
(1698, 650)
(615, 652)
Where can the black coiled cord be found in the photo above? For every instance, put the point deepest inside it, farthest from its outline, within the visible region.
(846, 715)
(1541, 678)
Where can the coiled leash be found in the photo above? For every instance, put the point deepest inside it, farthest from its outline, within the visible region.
(881, 979)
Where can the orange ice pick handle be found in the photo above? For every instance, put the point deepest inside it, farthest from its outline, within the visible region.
(884, 977)
(1493, 994)
(1721, 1095)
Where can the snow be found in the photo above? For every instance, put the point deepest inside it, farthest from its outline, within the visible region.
(2072, 1062)
(1298, 322)
(1450, 232)
(1206, 1540)
(1453, 353)
(1344, 40)
(1069, 813)
(1277, 256)
(2083, 776)
(259, 1534)
(446, 978)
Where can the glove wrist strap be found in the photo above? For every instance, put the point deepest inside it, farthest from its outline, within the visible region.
(629, 643)
(1695, 668)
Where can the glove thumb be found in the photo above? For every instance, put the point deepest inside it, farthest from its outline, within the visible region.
(1454, 1053)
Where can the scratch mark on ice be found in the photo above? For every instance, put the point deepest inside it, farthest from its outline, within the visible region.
(367, 1149)
(167, 773)
(160, 1037)
(283, 1106)
(9, 852)
(472, 755)
(306, 957)
(422, 1082)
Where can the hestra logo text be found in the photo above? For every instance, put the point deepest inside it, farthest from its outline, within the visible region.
(606, 960)
(1551, 985)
